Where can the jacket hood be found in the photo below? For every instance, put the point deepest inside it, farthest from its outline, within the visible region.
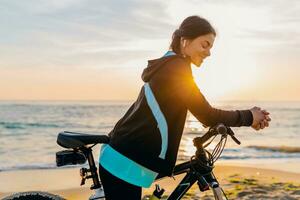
(154, 66)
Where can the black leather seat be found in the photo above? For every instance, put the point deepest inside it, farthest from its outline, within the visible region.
(68, 139)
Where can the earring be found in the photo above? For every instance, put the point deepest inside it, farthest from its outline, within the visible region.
(183, 45)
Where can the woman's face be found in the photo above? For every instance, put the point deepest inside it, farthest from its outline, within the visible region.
(199, 48)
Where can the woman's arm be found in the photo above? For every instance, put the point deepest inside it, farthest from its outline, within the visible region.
(189, 94)
(208, 115)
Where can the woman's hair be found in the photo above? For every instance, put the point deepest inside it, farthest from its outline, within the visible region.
(191, 28)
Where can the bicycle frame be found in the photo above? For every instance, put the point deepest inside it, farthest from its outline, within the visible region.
(194, 173)
(198, 169)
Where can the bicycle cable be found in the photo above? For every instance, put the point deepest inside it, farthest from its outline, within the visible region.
(211, 157)
(219, 148)
(217, 151)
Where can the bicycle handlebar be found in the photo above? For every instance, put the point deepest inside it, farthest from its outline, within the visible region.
(219, 129)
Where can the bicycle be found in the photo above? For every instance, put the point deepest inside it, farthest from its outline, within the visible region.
(199, 169)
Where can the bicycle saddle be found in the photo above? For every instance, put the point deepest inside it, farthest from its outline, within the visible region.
(69, 139)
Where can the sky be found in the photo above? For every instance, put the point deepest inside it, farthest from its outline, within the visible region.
(97, 49)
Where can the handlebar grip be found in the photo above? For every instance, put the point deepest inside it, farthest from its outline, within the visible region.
(218, 129)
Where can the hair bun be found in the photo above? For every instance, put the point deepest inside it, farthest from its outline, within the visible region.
(178, 32)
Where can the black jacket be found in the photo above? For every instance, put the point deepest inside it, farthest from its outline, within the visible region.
(139, 134)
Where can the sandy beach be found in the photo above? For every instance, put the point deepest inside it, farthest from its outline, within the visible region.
(238, 182)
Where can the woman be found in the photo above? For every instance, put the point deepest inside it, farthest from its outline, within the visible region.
(146, 139)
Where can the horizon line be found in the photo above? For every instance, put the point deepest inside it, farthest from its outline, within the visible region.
(124, 100)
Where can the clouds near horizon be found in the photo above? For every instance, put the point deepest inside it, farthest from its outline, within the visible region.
(256, 42)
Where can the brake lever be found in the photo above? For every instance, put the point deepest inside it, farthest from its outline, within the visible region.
(231, 133)
(235, 139)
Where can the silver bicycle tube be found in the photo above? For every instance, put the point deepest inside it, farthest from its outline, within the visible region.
(218, 193)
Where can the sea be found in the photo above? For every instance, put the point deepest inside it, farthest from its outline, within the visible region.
(29, 129)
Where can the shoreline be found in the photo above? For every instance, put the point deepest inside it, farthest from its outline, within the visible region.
(50, 180)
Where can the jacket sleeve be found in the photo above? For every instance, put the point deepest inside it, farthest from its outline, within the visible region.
(188, 92)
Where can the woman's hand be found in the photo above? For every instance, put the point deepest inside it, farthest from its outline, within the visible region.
(261, 118)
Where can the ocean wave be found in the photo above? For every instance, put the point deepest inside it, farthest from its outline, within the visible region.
(38, 166)
(27, 167)
(251, 152)
(271, 156)
(284, 149)
(248, 157)
(19, 125)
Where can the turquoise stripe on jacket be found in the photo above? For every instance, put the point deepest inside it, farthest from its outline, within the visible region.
(124, 168)
(160, 119)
